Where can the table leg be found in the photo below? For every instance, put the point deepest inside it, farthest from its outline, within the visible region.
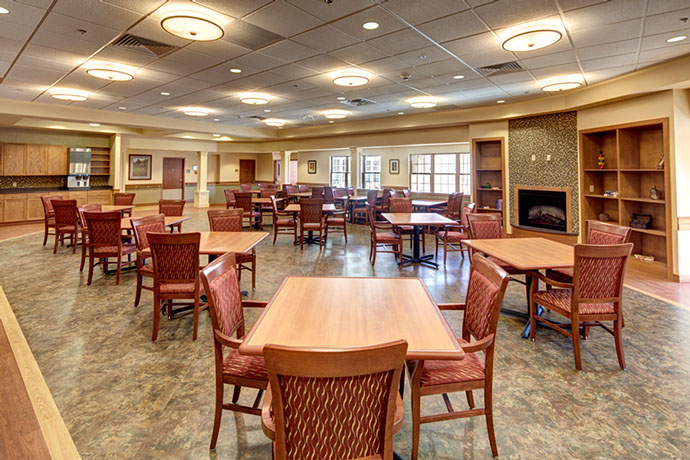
(417, 257)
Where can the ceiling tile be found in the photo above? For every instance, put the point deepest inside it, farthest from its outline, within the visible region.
(423, 56)
(25, 15)
(294, 71)
(42, 4)
(474, 44)
(258, 61)
(555, 71)
(609, 62)
(514, 77)
(606, 34)
(386, 65)
(352, 25)
(125, 56)
(325, 39)
(564, 57)
(400, 42)
(290, 51)
(97, 13)
(357, 54)
(453, 27)
(221, 49)
(32, 75)
(411, 12)
(664, 6)
(667, 22)
(14, 31)
(610, 49)
(184, 62)
(497, 56)
(601, 75)
(567, 5)
(659, 41)
(604, 13)
(514, 12)
(662, 54)
(14, 92)
(151, 29)
(443, 67)
(138, 6)
(235, 8)
(322, 63)
(64, 43)
(331, 12)
(249, 36)
(283, 19)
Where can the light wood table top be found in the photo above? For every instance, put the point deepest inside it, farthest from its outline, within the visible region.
(110, 207)
(352, 198)
(428, 203)
(328, 207)
(218, 243)
(526, 253)
(354, 312)
(301, 194)
(417, 218)
(126, 223)
(259, 200)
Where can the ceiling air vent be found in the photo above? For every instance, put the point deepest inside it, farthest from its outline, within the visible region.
(257, 117)
(358, 102)
(500, 69)
(144, 45)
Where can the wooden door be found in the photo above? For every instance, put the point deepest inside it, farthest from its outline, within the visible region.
(13, 156)
(247, 171)
(35, 160)
(57, 160)
(15, 208)
(173, 178)
(34, 207)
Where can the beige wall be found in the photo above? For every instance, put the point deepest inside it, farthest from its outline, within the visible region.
(157, 156)
(53, 137)
(229, 166)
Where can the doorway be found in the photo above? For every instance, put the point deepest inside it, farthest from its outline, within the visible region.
(294, 164)
(247, 171)
(173, 178)
(276, 171)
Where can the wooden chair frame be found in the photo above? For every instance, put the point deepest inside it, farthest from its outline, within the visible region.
(395, 205)
(62, 230)
(48, 215)
(334, 227)
(144, 253)
(375, 244)
(251, 213)
(241, 257)
(308, 202)
(462, 227)
(229, 198)
(127, 199)
(276, 217)
(93, 207)
(180, 203)
(102, 257)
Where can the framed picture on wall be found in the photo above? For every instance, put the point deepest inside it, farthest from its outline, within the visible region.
(393, 166)
(140, 167)
(311, 166)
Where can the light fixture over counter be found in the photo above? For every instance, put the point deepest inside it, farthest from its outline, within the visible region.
(351, 77)
(254, 98)
(193, 22)
(66, 94)
(109, 71)
(195, 111)
(423, 102)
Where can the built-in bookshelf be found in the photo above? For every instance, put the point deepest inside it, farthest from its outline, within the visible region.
(488, 167)
(632, 152)
(100, 161)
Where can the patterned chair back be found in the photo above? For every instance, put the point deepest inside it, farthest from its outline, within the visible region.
(266, 192)
(224, 298)
(123, 199)
(291, 189)
(328, 194)
(246, 187)
(338, 193)
(303, 188)
(48, 205)
(317, 192)
(454, 204)
(401, 205)
(334, 404)
(175, 257)
(243, 201)
(605, 233)
(485, 290)
(599, 271)
(406, 193)
(350, 191)
(93, 207)
(274, 205)
(230, 197)
(105, 229)
(386, 199)
(142, 226)
(226, 220)
(311, 210)
(171, 208)
(467, 209)
(66, 214)
(372, 196)
(484, 226)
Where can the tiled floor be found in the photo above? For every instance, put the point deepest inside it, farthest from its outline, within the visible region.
(123, 396)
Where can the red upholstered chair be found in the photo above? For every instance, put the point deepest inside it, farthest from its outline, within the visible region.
(246, 187)
(267, 192)
(93, 207)
(333, 404)
(66, 223)
(290, 191)
(222, 289)
(595, 295)
(283, 220)
(317, 193)
(172, 208)
(350, 191)
(452, 235)
(406, 193)
(229, 199)
(336, 221)
(404, 205)
(382, 236)
(328, 195)
(485, 290)
(124, 199)
(338, 193)
(48, 215)
(244, 202)
(303, 188)
(104, 240)
(385, 200)
(311, 219)
(175, 274)
(141, 227)
(230, 220)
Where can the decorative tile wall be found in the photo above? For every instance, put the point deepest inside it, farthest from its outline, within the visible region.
(555, 135)
(33, 181)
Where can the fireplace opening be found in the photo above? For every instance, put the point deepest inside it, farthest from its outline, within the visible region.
(543, 209)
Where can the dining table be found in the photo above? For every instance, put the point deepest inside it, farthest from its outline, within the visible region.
(354, 201)
(418, 220)
(294, 209)
(300, 195)
(121, 208)
(426, 204)
(170, 221)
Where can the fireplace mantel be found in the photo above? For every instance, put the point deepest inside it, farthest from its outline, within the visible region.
(568, 203)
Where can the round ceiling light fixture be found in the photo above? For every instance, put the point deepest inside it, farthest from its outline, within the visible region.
(109, 71)
(235, 70)
(423, 102)
(679, 38)
(65, 94)
(4, 10)
(335, 114)
(532, 38)
(195, 111)
(254, 98)
(165, 93)
(274, 122)
(351, 77)
(95, 125)
(561, 83)
(192, 24)
(371, 25)
(458, 77)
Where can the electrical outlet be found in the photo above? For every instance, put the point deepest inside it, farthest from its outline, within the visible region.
(534, 158)
(591, 189)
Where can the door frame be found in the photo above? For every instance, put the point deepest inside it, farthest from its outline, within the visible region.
(183, 175)
(240, 169)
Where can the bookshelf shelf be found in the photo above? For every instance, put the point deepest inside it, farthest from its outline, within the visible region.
(488, 166)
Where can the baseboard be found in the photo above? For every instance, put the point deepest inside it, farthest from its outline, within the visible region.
(681, 278)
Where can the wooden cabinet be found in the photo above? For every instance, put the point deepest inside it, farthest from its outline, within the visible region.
(99, 196)
(15, 208)
(34, 207)
(81, 197)
(13, 159)
(488, 167)
(57, 160)
(35, 160)
(2, 209)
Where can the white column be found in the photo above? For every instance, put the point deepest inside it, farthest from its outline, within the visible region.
(285, 178)
(116, 163)
(201, 193)
(355, 153)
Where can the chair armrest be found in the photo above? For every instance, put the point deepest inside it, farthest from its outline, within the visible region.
(381, 226)
(451, 306)
(479, 345)
(267, 423)
(254, 303)
(226, 340)
(549, 281)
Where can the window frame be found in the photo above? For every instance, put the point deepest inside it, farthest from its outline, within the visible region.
(348, 170)
(432, 174)
(364, 172)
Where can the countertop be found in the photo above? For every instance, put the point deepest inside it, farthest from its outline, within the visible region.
(4, 191)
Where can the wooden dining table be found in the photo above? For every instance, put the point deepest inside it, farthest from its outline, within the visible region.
(110, 207)
(354, 201)
(426, 204)
(418, 220)
(300, 194)
(126, 223)
(295, 208)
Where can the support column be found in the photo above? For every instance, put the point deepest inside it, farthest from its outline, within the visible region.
(355, 153)
(201, 194)
(117, 155)
(285, 178)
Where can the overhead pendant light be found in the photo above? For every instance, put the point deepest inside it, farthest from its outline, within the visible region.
(351, 77)
(532, 38)
(192, 24)
(195, 111)
(274, 122)
(371, 25)
(563, 83)
(4, 10)
(458, 77)
(423, 102)
(254, 98)
(335, 114)
(65, 94)
(679, 38)
(109, 71)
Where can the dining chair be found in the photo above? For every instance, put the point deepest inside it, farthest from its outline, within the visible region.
(380, 240)
(141, 227)
(385, 200)
(485, 290)
(290, 191)
(246, 187)
(229, 198)
(331, 404)
(220, 283)
(350, 191)
(267, 192)
(172, 208)
(404, 205)
(230, 220)
(406, 193)
(48, 215)
(244, 202)
(338, 193)
(303, 188)
(595, 295)
(104, 240)
(452, 236)
(175, 274)
(311, 219)
(336, 221)
(317, 193)
(328, 195)
(283, 220)
(66, 222)
(92, 207)
(124, 199)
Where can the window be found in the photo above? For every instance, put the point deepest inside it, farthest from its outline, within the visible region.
(371, 172)
(340, 171)
(440, 172)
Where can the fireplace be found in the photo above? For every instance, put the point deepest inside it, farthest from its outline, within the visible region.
(544, 208)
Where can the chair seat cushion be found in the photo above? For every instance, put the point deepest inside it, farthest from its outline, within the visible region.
(126, 249)
(66, 228)
(438, 372)
(564, 275)
(285, 222)
(335, 220)
(312, 226)
(250, 367)
(561, 298)
(451, 236)
(386, 237)
(251, 214)
(180, 288)
(146, 270)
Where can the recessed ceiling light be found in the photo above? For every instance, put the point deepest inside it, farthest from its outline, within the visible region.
(335, 113)
(216, 135)
(331, 121)
(351, 77)
(501, 101)
(267, 110)
(4, 10)
(188, 137)
(109, 71)
(122, 108)
(422, 57)
(423, 102)
(224, 138)
(94, 124)
(216, 119)
(371, 25)
(165, 93)
(254, 98)
(458, 77)
(341, 98)
(401, 113)
(195, 111)
(679, 38)
(65, 94)
(274, 122)
(532, 38)
(234, 70)
(563, 83)
(192, 24)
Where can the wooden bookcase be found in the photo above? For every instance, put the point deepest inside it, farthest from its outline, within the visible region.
(632, 153)
(488, 166)
(100, 161)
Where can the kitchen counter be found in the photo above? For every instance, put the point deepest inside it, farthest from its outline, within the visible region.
(51, 189)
